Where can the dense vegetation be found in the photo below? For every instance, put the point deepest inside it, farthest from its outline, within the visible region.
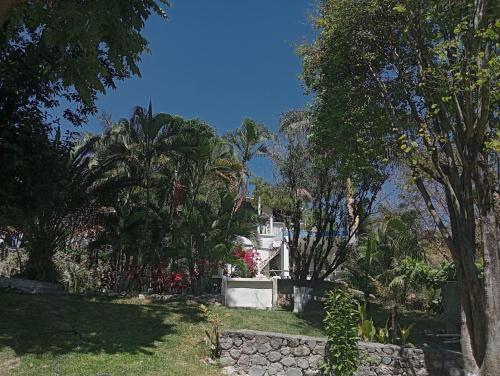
(155, 201)
(406, 93)
(423, 76)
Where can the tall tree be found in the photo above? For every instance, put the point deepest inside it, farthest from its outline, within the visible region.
(139, 153)
(433, 68)
(65, 52)
(48, 205)
(57, 54)
(317, 199)
(250, 141)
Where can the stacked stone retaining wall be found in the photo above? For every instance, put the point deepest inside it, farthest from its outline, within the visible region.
(255, 353)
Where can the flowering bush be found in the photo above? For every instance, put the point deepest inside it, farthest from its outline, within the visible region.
(177, 282)
(163, 282)
(249, 257)
(134, 278)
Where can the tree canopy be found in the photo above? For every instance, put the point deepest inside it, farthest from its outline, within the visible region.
(424, 76)
(63, 53)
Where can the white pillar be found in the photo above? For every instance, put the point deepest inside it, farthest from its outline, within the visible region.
(284, 259)
(300, 298)
(275, 291)
(259, 212)
(223, 289)
(271, 224)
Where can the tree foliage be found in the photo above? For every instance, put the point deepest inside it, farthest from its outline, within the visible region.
(249, 140)
(152, 193)
(49, 205)
(313, 195)
(172, 184)
(66, 52)
(56, 56)
(429, 71)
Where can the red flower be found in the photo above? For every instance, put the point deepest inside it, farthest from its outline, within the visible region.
(249, 257)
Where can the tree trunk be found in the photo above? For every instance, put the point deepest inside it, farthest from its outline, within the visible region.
(469, 361)
(491, 253)
(473, 306)
(480, 299)
(353, 218)
(40, 265)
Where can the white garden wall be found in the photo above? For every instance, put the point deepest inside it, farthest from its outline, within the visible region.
(259, 293)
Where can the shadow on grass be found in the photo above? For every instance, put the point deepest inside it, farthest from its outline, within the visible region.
(66, 324)
(313, 318)
(423, 322)
(313, 315)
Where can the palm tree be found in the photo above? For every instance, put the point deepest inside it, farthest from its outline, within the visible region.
(170, 181)
(136, 153)
(250, 141)
(61, 207)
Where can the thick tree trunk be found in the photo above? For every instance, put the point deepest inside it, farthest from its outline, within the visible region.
(469, 361)
(40, 265)
(480, 304)
(473, 306)
(491, 253)
(480, 297)
(481, 351)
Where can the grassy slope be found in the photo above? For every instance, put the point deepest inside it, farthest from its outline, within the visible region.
(45, 335)
(69, 335)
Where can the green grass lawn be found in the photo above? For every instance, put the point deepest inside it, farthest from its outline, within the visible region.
(71, 335)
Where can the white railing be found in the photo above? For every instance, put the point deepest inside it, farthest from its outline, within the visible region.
(276, 229)
(263, 263)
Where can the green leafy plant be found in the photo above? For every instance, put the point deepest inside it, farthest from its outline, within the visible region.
(366, 327)
(405, 334)
(382, 335)
(213, 334)
(362, 311)
(367, 330)
(341, 328)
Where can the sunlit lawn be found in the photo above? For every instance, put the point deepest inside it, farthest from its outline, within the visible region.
(69, 335)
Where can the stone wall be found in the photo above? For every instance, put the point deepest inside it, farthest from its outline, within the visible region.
(253, 353)
(261, 353)
(31, 287)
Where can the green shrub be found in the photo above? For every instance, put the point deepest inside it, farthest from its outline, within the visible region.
(341, 324)
(212, 338)
(382, 335)
(74, 272)
(367, 330)
(12, 263)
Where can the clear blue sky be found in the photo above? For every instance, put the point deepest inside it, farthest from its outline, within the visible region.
(220, 61)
